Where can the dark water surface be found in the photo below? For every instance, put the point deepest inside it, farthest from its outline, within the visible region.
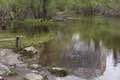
(88, 48)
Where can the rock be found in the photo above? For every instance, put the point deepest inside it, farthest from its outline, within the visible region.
(31, 49)
(4, 70)
(35, 71)
(21, 65)
(59, 72)
(59, 16)
(8, 56)
(34, 66)
(8, 71)
(29, 52)
(12, 72)
(33, 76)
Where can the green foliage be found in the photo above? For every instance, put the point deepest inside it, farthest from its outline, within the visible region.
(36, 22)
(34, 8)
(32, 26)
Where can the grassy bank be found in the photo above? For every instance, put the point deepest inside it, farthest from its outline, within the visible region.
(25, 41)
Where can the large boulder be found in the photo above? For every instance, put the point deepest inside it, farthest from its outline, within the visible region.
(33, 76)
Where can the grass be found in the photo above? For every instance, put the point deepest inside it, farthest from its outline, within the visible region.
(37, 39)
(25, 41)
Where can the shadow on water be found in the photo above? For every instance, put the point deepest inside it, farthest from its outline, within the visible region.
(89, 49)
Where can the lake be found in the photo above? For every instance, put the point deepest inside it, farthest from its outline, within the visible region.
(89, 48)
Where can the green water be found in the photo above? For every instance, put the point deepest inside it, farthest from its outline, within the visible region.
(102, 29)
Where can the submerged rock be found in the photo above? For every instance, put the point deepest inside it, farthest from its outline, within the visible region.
(59, 72)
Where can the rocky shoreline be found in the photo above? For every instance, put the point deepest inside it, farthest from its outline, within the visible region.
(12, 68)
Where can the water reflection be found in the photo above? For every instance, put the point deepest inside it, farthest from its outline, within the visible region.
(116, 57)
(88, 48)
(111, 71)
(85, 59)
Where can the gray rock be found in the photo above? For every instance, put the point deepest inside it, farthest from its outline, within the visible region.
(33, 76)
(4, 70)
(8, 56)
(31, 49)
(34, 66)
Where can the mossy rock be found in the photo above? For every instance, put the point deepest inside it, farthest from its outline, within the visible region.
(59, 72)
(12, 72)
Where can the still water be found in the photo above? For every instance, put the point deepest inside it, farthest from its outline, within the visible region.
(88, 48)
